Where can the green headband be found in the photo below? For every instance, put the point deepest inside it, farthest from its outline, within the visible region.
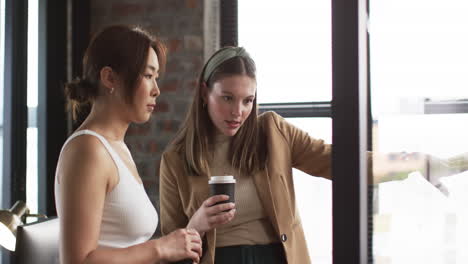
(221, 56)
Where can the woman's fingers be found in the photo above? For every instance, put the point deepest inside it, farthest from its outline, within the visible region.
(194, 256)
(194, 241)
(193, 232)
(219, 208)
(193, 236)
(220, 214)
(213, 212)
(227, 217)
(214, 199)
(221, 218)
(197, 248)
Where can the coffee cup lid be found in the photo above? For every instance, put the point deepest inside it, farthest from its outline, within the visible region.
(222, 179)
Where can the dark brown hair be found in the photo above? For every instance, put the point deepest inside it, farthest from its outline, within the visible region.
(120, 47)
(195, 138)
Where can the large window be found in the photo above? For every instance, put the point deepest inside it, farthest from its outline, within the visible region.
(314, 197)
(18, 88)
(418, 66)
(32, 102)
(291, 46)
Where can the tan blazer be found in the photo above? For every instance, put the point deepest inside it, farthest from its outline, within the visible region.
(288, 147)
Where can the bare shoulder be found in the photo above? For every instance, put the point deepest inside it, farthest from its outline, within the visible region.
(85, 157)
(84, 144)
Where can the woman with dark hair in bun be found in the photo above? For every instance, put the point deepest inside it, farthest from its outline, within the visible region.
(105, 214)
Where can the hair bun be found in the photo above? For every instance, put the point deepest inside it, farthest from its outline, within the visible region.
(80, 90)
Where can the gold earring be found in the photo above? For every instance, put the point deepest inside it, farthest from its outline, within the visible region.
(111, 90)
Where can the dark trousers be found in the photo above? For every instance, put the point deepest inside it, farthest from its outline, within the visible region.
(257, 254)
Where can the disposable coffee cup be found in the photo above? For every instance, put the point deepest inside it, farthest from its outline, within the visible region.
(223, 185)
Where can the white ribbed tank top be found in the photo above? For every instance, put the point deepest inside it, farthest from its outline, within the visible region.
(129, 217)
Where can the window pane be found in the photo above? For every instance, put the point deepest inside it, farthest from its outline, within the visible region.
(2, 98)
(2, 56)
(314, 197)
(291, 45)
(418, 54)
(418, 50)
(32, 100)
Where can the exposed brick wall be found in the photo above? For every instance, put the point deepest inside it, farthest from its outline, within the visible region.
(179, 23)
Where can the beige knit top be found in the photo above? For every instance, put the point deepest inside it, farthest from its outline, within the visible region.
(250, 225)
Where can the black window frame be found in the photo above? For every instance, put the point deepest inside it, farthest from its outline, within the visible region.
(64, 28)
(350, 110)
(15, 115)
(351, 119)
(15, 102)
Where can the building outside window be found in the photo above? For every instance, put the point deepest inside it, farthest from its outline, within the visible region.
(418, 64)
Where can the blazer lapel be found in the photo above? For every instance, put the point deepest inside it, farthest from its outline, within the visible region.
(263, 185)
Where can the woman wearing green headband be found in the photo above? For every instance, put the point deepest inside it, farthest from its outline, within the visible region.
(224, 135)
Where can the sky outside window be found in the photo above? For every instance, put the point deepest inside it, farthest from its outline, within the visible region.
(291, 45)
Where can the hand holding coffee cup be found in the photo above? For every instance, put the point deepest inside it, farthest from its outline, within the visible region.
(223, 185)
(218, 209)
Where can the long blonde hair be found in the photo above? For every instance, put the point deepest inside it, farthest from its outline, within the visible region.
(195, 138)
